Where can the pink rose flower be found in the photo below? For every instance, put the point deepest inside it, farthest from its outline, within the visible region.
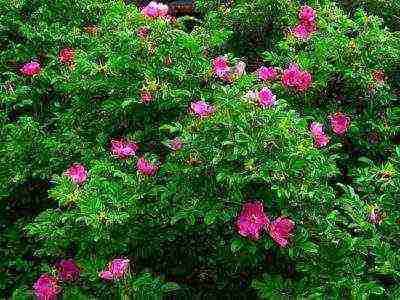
(66, 55)
(151, 10)
(146, 97)
(302, 31)
(320, 138)
(77, 173)
(46, 288)
(221, 67)
(266, 74)
(307, 15)
(252, 220)
(146, 168)
(115, 269)
(201, 109)
(123, 149)
(293, 77)
(143, 31)
(266, 98)
(31, 68)
(154, 9)
(68, 270)
(280, 230)
(339, 123)
(176, 144)
(163, 10)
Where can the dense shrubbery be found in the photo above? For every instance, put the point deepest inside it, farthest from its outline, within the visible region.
(139, 159)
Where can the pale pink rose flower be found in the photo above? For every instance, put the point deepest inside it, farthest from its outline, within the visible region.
(201, 109)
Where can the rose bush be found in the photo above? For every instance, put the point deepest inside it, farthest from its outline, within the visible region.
(255, 152)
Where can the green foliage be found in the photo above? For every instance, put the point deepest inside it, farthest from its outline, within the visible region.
(178, 228)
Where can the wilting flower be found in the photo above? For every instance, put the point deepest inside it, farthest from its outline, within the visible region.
(201, 109)
(379, 76)
(339, 122)
(46, 287)
(280, 230)
(175, 144)
(239, 69)
(252, 220)
(221, 67)
(146, 168)
(30, 68)
(375, 217)
(307, 15)
(123, 149)
(115, 269)
(146, 97)
(266, 98)
(66, 55)
(143, 31)
(68, 270)
(295, 78)
(266, 74)
(320, 138)
(251, 95)
(77, 173)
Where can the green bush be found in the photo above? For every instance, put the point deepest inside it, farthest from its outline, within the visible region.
(178, 225)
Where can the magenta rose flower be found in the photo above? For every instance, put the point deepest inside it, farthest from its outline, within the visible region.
(146, 168)
(302, 31)
(66, 55)
(266, 98)
(77, 173)
(123, 149)
(320, 138)
(30, 68)
(116, 269)
(176, 144)
(293, 77)
(280, 230)
(252, 220)
(221, 67)
(266, 74)
(146, 97)
(339, 123)
(46, 288)
(68, 270)
(143, 31)
(201, 109)
(307, 15)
